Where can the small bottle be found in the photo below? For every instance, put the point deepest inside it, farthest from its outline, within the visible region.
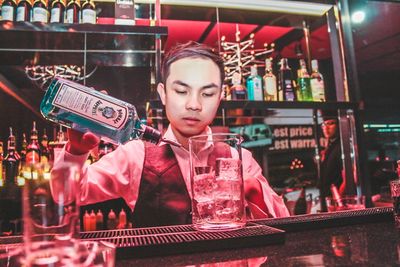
(24, 146)
(89, 12)
(254, 85)
(57, 11)
(99, 220)
(33, 149)
(11, 161)
(270, 90)
(317, 83)
(73, 12)
(286, 91)
(238, 91)
(303, 83)
(24, 11)
(85, 109)
(301, 203)
(86, 221)
(44, 148)
(8, 10)
(92, 221)
(122, 220)
(111, 220)
(39, 11)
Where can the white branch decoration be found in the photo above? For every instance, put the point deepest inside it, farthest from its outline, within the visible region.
(239, 56)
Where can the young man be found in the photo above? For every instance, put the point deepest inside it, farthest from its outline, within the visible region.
(331, 158)
(154, 180)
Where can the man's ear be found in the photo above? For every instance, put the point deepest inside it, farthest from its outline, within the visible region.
(161, 92)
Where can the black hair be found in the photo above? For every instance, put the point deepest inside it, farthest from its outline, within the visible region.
(191, 49)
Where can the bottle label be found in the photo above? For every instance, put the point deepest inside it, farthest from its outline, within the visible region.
(89, 16)
(7, 13)
(55, 15)
(39, 14)
(270, 85)
(20, 13)
(318, 89)
(258, 93)
(79, 101)
(70, 15)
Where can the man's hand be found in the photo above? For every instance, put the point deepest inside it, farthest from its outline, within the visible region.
(81, 143)
(253, 193)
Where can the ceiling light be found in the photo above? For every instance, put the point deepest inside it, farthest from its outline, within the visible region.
(358, 16)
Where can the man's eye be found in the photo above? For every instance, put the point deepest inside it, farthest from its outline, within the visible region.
(208, 94)
(180, 92)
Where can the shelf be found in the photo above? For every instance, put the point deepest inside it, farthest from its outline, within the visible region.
(81, 44)
(263, 105)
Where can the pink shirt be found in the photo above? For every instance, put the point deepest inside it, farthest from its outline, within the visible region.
(118, 174)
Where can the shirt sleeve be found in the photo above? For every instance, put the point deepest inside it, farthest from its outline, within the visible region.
(275, 204)
(115, 175)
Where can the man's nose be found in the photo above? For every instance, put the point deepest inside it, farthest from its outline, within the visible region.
(193, 102)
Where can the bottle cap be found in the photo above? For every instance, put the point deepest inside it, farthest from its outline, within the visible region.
(314, 64)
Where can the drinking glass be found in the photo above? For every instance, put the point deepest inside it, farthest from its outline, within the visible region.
(50, 210)
(345, 203)
(217, 182)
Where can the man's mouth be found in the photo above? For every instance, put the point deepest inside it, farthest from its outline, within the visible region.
(191, 120)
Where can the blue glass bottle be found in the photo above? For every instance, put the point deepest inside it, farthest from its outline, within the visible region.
(254, 85)
(85, 109)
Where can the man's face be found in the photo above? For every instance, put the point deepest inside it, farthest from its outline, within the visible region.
(329, 128)
(191, 95)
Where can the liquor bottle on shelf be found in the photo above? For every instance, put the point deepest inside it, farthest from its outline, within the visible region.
(317, 82)
(270, 90)
(73, 12)
(122, 220)
(56, 145)
(24, 10)
(301, 203)
(85, 109)
(254, 85)
(44, 148)
(10, 198)
(303, 83)
(86, 221)
(92, 221)
(24, 146)
(8, 10)
(99, 220)
(286, 90)
(111, 220)
(57, 11)
(11, 161)
(89, 12)
(238, 91)
(33, 149)
(39, 11)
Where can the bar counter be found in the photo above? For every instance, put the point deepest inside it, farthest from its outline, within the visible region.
(364, 244)
(366, 237)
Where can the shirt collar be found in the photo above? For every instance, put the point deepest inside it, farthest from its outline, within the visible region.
(169, 134)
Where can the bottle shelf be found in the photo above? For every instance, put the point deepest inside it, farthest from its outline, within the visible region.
(79, 44)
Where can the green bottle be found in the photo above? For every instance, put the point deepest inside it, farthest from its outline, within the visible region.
(303, 83)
